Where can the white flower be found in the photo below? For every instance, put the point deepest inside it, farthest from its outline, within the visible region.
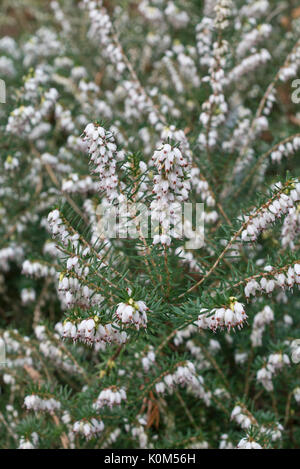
(170, 188)
(110, 397)
(89, 429)
(296, 393)
(133, 312)
(34, 402)
(102, 150)
(228, 318)
(239, 415)
(246, 443)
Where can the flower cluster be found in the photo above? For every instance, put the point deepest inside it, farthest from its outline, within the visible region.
(184, 375)
(285, 149)
(223, 318)
(243, 417)
(89, 429)
(261, 319)
(110, 397)
(290, 228)
(133, 312)
(90, 331)
(148, 359)
(36, 403)
(276, 362)
(248, 443)
(170, 187)
(278, 206)
(31, 443)
(284, 278)
(102, 150)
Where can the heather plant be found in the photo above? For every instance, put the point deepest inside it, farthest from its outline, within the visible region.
(121, 336)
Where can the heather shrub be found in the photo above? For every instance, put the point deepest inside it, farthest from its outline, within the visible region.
(149, 234)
